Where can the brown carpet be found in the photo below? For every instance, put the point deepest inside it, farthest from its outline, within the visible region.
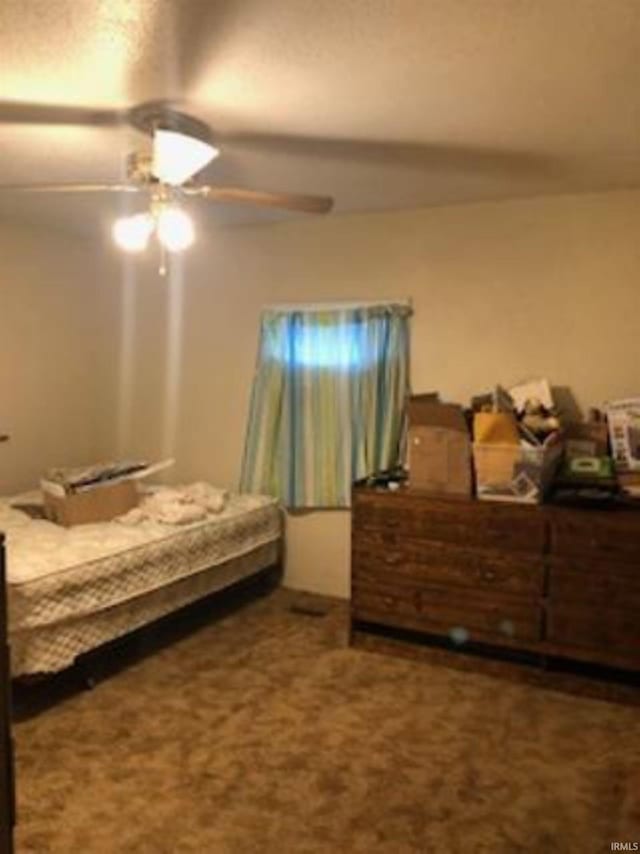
(264, 733)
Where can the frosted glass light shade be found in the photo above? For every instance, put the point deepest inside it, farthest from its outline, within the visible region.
(132, 233)
(175, 229)
(176, 156)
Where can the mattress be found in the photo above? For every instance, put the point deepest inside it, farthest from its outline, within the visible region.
(59, 579)
(50, 648)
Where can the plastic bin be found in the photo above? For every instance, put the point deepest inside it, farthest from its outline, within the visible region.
(515, 472)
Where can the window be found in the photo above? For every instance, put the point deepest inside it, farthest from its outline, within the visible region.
(328, 397)
(333, 345)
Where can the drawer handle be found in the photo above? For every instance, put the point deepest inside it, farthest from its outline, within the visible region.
(392, 559)
(489, 575)
(388, 600)
(507, 628)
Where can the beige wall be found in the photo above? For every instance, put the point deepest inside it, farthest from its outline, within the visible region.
(501, 291)
(49, 353)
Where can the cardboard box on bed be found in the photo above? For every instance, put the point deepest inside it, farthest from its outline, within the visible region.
(100, 503)
(439, 447)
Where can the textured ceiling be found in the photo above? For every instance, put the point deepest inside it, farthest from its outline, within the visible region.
(382, 103)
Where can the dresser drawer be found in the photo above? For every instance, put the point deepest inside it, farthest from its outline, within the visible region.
(473, 524)
(442, 611)
(606, 536)
(609, 630)
(598, 584)
(392, 557)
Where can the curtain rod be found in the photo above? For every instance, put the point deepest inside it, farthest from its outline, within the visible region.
(324, 306)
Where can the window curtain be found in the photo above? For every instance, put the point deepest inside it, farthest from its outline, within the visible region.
(327, 405)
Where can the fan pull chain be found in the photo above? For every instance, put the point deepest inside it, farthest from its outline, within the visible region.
(162, 270)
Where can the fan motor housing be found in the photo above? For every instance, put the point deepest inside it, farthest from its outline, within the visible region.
(139, 168)
(160, 114)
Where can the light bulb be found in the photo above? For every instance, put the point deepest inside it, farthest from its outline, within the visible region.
(175, 229)
(132, 233)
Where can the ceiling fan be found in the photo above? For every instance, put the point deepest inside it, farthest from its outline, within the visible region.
(182, 147)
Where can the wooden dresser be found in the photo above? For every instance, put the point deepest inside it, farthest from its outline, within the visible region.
(546, 581)
(7, 806)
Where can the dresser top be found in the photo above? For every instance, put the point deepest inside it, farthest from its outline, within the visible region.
(406, 494)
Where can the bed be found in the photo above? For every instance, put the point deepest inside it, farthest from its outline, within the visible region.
(72, 590)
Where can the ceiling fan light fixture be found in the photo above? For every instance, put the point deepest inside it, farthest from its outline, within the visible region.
(132, 233)
(175, 229)
(178, 156)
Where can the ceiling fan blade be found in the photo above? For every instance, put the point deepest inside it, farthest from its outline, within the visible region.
(25, 113)
(286, 201)
(70, 188)
(431, 156)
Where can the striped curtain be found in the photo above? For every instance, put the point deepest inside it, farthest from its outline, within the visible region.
(327, 406)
